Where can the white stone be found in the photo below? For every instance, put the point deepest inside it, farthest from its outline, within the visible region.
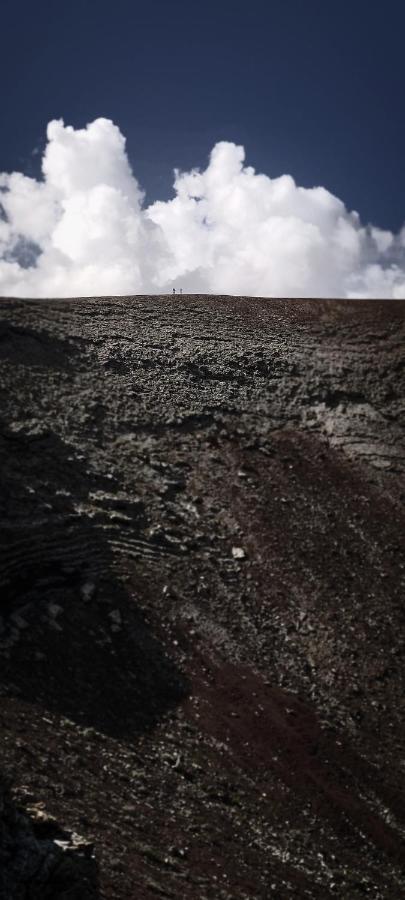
(238, 553)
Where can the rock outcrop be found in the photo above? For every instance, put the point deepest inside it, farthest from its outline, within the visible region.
(38, 859)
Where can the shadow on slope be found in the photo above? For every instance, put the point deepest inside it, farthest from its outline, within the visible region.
(74, 639)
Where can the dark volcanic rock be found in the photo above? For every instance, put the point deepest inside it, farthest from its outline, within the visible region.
(202, 579)
(38, 860)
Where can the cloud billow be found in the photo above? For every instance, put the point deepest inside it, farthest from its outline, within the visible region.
(84, 230)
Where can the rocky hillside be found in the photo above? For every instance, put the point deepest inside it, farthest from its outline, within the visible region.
(202, 598)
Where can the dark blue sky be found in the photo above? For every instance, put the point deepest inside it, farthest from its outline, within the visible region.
(310, 87)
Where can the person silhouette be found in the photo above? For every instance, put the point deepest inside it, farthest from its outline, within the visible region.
(174, 290)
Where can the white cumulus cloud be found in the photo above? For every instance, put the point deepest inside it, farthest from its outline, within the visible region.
(83, 229)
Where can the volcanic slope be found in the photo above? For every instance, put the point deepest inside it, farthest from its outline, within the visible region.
(202, 592)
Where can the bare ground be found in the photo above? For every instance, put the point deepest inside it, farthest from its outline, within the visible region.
(202, 589)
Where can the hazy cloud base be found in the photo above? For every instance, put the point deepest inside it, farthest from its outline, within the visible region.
(83, 230)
